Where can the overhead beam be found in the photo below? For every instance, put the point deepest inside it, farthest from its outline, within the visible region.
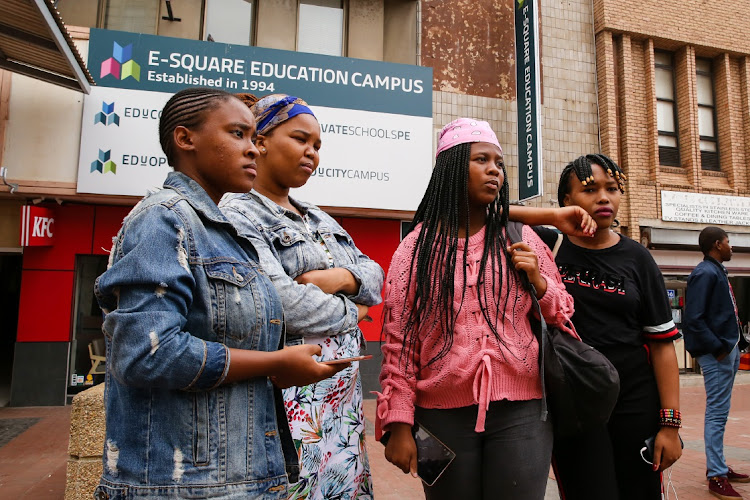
(39, 74)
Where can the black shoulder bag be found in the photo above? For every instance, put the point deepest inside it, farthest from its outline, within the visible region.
(580, 385)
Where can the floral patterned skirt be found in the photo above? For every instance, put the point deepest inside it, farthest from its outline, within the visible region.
(328, 429)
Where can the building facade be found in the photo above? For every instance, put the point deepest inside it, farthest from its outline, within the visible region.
(674, 109)
(469, 45)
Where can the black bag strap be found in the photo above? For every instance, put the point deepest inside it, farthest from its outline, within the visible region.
(515, 231)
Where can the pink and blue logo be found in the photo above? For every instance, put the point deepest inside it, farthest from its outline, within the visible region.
(121, 65)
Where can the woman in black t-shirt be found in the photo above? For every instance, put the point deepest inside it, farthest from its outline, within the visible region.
(621, 308)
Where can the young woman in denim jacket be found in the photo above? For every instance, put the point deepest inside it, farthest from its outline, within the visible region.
(326, 285)
(193, 327)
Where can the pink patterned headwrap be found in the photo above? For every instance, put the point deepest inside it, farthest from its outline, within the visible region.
(466, 130)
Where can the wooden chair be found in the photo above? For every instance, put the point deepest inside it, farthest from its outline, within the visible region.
(97, 356)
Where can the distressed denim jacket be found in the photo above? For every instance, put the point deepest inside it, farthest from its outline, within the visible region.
(180, 289)
(287, 248)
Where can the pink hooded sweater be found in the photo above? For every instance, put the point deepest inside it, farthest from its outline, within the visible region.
(478, 369)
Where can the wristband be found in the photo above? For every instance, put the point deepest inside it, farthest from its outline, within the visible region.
(670, 418)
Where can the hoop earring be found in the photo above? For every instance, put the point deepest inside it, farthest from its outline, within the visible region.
(615, 223)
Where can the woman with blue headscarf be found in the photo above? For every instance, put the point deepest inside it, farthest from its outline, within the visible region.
(326, 286)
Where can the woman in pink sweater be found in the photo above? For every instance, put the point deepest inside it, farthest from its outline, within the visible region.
(460, 356)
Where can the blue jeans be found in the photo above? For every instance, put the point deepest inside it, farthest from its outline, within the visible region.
(718, 377)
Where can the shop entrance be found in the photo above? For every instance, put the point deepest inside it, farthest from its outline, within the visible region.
(10, 296)
(676, 286)
(86, 364)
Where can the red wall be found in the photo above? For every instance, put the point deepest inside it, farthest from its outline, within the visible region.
(378, 239)
(47, 282)
(47, 279)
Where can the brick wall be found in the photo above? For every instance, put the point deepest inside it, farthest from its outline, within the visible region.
(721, 26)
(627, 34)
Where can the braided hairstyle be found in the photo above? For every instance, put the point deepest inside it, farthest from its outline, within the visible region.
(187, 108)
(581, 166)
(445, 207)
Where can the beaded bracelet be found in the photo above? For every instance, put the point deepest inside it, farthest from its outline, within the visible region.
(670, 413)
(670, 418)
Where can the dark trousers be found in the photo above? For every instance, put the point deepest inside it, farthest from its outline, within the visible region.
(509, 460)
(605, 462)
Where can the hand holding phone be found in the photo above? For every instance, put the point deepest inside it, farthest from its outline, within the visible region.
(433, 456)
(647, 452)
(346, 360)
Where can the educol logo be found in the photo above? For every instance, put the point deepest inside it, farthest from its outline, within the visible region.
(103, 164)
(121, 65)
(107, 115)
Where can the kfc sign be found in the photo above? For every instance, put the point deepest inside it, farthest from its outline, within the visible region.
(37, 226)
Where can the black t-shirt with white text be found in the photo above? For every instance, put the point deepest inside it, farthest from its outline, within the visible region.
(619, 293)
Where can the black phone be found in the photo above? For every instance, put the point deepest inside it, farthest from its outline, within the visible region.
(433, 456)
(647, 452)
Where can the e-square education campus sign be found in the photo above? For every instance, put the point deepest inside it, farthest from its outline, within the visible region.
(528, 99)
(375, 117)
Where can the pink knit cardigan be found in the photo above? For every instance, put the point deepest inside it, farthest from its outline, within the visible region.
(478, 369)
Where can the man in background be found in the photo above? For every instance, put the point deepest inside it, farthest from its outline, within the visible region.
(712, 333)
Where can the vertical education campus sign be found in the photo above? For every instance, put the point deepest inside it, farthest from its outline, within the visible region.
(528, 99)
(375, 117)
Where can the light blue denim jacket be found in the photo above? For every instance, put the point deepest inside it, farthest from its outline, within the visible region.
(287, 250)
(180, 289)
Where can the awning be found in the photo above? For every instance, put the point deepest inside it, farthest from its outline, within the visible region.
(34, 42)
(687, 239)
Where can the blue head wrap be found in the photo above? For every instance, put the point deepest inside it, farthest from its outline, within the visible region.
(273, 110)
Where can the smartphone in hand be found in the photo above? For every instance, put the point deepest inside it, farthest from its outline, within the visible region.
(433, 456)
(346, 360)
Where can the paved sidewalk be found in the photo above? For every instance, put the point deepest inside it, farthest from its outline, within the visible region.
(688, 474)
(34, 446)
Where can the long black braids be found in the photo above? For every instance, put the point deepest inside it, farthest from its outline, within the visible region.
(443, 209)
(186, 108)
(581, 167)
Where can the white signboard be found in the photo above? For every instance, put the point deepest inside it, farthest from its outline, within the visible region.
(367, 160)
(120, 151)
(705, 208)
(375, 117)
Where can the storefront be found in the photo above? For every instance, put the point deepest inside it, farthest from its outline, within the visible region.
(59, 330)
(676, 253)
(378, 113)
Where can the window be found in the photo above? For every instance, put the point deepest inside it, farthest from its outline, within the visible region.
(136, 16)
(666, 109)
(320, 29)
(229, 21)
(707, 115)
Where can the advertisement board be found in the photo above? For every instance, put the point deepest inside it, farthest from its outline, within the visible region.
(705, 208)
(375, 117)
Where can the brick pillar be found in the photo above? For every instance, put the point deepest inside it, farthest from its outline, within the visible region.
(629, 127)
(605, 74)
(729, 133)
(743, 177)
(687, 113)
(652, 129)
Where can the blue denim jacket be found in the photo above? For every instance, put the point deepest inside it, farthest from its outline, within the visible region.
(180, 289)
(286, 250)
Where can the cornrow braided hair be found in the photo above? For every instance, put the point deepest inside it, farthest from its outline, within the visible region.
(581, 166)
(187, 109)
(443, 209)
